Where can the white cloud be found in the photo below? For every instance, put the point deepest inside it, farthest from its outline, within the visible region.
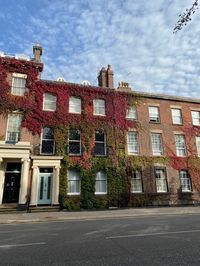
(135, 37)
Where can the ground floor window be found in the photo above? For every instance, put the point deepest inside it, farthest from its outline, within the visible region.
(161, 179)
(185, 181)
(136, 182)
(74, 182)
(101, 183)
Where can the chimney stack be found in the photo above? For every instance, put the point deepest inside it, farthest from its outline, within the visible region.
(124, 86)
(37, 52)
(105, 77)
(102, 79)
(109, 77)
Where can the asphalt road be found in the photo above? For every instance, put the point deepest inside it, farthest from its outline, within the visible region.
(164, 240)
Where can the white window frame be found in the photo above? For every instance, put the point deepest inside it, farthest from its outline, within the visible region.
(103, 142)
(99, 107)
(154, 114)
(101, 177)
(185, 181)
(18, 90)
(41, 141)
(75, 105)
(13, 136)
(180, 147)
(131, 113)
(157, 144)
(76, 179)
(195, 118)
(49, 102)
(176, 116)
(132, 143)
(136, 182)
(198, 145)
(161, 180)
(77, 141)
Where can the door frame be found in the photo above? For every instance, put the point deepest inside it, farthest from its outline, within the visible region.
(5, 172)
(40, 174)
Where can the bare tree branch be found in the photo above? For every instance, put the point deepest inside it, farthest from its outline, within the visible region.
(185, 17)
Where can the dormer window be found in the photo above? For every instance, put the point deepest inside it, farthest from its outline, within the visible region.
(49, 102)
(18, 84)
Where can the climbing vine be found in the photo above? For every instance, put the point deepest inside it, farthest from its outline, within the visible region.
(117, 165)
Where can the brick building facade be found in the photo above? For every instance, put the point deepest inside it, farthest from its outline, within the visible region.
(83, 146)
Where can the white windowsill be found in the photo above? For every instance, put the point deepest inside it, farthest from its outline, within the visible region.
(98, 114)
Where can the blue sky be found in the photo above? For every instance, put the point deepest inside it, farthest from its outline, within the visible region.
(134, 36)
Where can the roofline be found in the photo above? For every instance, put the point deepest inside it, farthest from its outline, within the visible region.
(134, 93)
(75, 84)
(165, 97)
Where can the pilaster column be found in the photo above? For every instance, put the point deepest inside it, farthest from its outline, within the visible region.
(34, 186)
(1, 180)
(24, 181)
(56, 182)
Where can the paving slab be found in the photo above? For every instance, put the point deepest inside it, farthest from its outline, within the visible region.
(90, 215)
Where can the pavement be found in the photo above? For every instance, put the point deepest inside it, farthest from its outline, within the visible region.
(33, 217)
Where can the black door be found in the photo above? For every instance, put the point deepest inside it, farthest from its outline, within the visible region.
(12, 183)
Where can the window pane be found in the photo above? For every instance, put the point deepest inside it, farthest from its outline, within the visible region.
(136, 182)
(185, 181)
(198, 145)
(154, 114)
(161, 182)
(74, 142)
(14, 126)
(74, 105)
(131, 113)
(47, 147)
(49, 102)
(176, 116)
(99, 149)
(73, 182)
(157, 148)
(100, 186)
(133, 143)
(99, 107)
(101, 183)
(99, 136)
(74, 134)
(74, 148)
(196, 118)
(48, 142)
(48, 133)
(18, 86)
(180, 145)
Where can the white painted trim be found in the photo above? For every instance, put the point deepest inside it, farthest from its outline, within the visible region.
(19, 75)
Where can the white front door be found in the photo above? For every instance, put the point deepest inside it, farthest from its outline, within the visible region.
(45, 188)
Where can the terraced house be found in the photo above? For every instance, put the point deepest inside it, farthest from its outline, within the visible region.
(84, 146)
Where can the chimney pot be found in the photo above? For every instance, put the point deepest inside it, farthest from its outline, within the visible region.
(124, 86)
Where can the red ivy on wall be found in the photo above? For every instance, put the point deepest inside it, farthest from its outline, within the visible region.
(31, 104)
